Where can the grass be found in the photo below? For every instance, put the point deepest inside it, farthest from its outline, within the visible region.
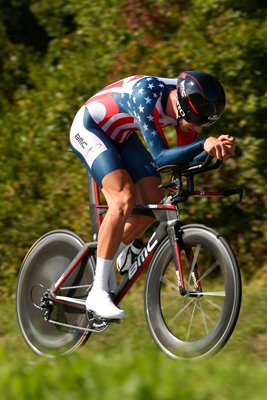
(124, 361)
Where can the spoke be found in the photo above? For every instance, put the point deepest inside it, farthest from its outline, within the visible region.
(209, 270)
(174, 318)
(215, 305)
(205, 317)
(190, 323)
(194, 261)
(199, 305)
(171, 302)
(168, 283)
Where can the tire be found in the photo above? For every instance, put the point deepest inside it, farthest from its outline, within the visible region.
(42, 266)
(193, 327)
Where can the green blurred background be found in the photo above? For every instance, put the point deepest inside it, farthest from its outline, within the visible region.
(56, 54)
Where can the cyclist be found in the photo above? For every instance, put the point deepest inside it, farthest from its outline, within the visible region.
(103, 134)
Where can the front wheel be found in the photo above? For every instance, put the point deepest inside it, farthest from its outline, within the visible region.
(187, 326)
(43, 265)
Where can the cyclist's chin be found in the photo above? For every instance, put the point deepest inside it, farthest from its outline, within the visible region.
(187, 129)
(191, 130)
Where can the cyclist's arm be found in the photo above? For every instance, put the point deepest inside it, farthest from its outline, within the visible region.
(201, 156)
(148, 97)
(182, 154)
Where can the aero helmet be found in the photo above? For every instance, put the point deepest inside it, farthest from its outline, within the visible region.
(200, 98)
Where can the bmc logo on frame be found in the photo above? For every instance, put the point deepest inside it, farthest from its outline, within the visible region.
(142, 256)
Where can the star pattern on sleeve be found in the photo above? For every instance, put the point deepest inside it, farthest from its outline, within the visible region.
(141, 104)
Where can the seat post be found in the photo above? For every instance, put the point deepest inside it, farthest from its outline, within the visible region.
(190, 183)
(94, 201)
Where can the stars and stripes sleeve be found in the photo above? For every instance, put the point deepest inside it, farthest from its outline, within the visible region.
(146, 96)
(144, 106)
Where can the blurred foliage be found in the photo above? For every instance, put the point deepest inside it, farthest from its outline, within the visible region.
(55, 55)
(125, 362)
(132, 375)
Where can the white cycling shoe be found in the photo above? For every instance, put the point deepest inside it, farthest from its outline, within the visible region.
(101, 304)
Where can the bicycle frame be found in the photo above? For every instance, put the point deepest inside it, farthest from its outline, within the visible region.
(170, 213)
(170, 224)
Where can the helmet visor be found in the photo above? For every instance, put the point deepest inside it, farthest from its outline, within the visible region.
(206, 115)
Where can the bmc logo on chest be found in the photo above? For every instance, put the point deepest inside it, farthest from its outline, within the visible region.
(80, 140)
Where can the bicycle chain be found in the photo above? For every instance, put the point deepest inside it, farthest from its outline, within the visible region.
(96, 328)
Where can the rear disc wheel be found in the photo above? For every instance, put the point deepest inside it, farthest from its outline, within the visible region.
(43, 265)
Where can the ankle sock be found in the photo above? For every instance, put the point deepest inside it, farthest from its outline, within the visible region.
(103, 268)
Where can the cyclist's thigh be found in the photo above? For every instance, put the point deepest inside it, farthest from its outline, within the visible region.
(94, 147)
(140, 165)
(136, 159)
(148, 191)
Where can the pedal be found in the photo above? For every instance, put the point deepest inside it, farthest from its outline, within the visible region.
(97, 323)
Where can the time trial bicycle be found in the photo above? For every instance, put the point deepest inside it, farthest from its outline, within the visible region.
(192, 294)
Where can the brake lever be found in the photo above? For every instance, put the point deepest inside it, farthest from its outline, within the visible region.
(232, 192)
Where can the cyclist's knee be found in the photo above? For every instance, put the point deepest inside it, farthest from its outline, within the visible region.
(124, 201)
(120, 192)
(121, 201)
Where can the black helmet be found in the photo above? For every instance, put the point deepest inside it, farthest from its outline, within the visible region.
(200, 98)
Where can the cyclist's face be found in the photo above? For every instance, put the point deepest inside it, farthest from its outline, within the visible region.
(187, 127)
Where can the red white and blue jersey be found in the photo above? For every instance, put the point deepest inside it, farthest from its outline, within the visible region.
(138, 103)
(134, 103)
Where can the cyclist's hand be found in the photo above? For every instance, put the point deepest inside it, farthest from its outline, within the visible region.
(230, 143)
(219, 148)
